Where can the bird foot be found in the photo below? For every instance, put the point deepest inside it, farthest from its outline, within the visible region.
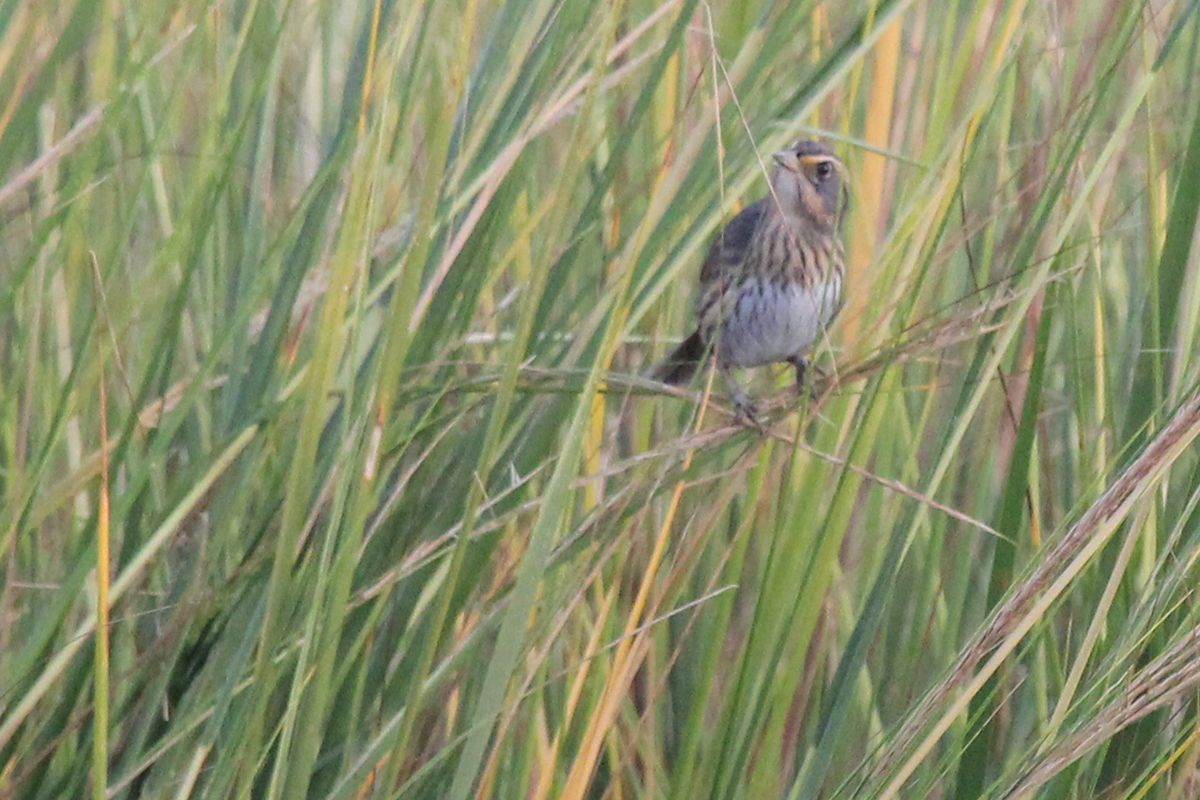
(805, 385)
(747, 411)
(742, 405)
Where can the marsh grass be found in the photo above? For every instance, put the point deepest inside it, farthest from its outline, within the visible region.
(322, 329)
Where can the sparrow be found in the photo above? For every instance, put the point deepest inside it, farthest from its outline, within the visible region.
(772, 280)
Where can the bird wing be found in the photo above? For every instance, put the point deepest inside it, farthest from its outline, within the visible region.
(731, 245)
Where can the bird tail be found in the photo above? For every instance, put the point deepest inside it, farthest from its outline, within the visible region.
(679, 367)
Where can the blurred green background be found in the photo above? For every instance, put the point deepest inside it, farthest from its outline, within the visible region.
(329, 468)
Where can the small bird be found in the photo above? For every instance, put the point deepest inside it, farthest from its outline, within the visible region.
(772, 281)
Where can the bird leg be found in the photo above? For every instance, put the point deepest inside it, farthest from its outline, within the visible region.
(741, 403)
(801, 364)
(803, 368)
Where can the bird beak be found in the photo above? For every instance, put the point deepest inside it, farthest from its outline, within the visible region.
(788, 160)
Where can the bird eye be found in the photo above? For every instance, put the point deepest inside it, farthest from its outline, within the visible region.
(823, 170)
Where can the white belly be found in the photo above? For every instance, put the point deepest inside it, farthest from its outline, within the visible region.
(768, 323)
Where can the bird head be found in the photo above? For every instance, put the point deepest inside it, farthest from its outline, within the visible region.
(808, 181)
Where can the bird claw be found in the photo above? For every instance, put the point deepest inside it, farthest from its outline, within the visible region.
(746, 410)
(804, 368)
(742, 405)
